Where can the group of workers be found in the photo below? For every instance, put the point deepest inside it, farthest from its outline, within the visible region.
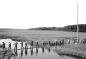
(15, 45)
(3, 45)
(31, 43)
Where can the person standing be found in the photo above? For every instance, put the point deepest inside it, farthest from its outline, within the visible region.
(31, 43)
(56, 43)
(22, 45)
(3, 45)
(9, 45)
(37, 44)
(49, 43)
(16, 45)
(26, 45)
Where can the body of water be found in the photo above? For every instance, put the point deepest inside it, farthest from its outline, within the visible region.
(32, 52)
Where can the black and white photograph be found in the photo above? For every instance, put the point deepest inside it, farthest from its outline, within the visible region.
(42, 29)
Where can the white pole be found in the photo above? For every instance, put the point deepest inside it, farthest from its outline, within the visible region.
(77, 21)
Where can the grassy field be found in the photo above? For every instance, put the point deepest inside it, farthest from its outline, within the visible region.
(24, 34)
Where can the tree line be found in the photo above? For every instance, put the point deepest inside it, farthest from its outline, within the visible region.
(71, 28)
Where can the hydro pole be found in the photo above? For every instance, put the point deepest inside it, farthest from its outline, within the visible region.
(77, 21)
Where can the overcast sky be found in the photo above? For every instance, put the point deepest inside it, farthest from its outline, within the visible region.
(40, 13)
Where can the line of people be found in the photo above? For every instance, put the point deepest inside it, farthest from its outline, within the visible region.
(4, 46)
(32, 44)
(15, 45)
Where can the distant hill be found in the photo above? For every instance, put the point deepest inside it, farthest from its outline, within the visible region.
(72, 28)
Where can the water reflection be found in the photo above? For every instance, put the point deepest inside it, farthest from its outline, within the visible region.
(29, 49)
(32, 50)
(42, 50)
(15, 51)
(26, 50)
(36, 51)
(49, 49)
(21, 52)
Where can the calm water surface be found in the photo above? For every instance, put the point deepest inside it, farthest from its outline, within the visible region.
(33, 53)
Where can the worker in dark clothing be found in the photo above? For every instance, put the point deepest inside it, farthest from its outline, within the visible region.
(49, 43)
(21, 44)
(32, 43)
(26, 46)
(3, 45)
(9, 45)
(37, 44)
(43, 43)
(15, 49)
(56, 43)
(16, 45)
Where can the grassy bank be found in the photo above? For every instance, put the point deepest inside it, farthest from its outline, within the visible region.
(78, 51)
(74, 50)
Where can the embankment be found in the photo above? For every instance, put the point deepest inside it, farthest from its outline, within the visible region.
(71, 52)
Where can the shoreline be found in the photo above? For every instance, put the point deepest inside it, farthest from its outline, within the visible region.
(71, 52)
